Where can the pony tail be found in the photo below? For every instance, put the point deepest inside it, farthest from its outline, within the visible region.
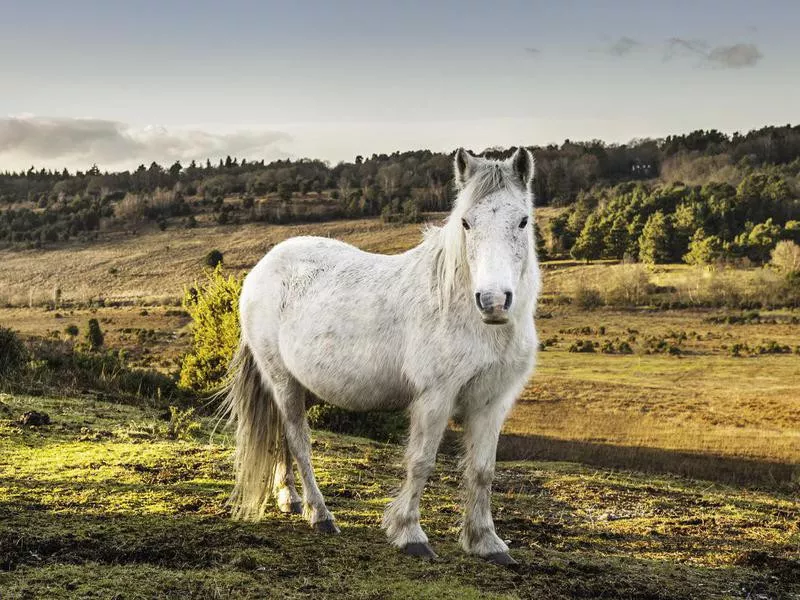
(260, 444)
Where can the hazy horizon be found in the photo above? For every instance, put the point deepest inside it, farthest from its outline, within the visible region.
(119, 85)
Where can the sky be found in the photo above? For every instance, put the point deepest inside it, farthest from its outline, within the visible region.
(119, 83)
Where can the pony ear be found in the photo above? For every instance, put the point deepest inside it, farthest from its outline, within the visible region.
(463, 167)
(523, 165)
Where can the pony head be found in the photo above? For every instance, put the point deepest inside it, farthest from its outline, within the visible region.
(492, 218)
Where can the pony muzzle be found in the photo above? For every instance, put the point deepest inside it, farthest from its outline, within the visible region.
(494, 306)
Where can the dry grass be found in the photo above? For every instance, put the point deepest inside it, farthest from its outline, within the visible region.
(702, 401)
(154, 267)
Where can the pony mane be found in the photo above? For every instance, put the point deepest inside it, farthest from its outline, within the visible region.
(450, 269)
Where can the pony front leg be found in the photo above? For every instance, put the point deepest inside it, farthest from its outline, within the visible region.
(481, 431)
(429, 417)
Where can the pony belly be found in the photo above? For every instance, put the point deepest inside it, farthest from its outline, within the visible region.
(357, 393)
(350, 376)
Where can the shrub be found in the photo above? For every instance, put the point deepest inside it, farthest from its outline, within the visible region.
(587, 298)
(786, 258)
(738, 349)
(57, 363)
(656, 345)
(624, 348)
(71, 330)
(765, 347)
(181, 423)
(213, 259)
(627, 285)
(94, 335)
(12, 352)
(214, 309)
(616, 347)
(582, 346)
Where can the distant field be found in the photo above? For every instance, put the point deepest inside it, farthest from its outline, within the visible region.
(154, 267)
(703, 401)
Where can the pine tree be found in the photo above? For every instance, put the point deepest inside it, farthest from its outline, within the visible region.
(635, 228)
(656, 241)
(703, 250)
(616, 240)
(589, 244)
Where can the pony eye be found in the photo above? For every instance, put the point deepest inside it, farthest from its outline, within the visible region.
(523, 223)
(465, 224)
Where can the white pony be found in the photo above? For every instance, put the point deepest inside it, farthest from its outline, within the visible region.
(444, 330)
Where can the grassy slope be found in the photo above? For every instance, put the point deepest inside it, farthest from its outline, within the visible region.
(97, 505)
(155, 266)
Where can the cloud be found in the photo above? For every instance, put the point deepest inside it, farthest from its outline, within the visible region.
(676, 46)
(623, 46)
(81, 142)
(735, 56)
(533, 51)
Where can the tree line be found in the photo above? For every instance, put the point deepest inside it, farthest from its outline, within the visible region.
(706, 187)
(673, 222)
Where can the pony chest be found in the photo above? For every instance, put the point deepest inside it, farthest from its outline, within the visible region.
(463, 356)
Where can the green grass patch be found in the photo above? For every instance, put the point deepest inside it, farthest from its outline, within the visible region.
(89, 510)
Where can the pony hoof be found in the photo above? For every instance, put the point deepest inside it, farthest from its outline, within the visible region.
(500, 558)
(420, 549)
(326, 526)
(292, 508)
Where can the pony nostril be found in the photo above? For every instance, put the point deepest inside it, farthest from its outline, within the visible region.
(478, 300)
(509, 298)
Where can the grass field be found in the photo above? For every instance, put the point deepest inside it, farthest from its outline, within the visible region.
(694, 406)
(676, 473)
(153, 267)
(101, 504)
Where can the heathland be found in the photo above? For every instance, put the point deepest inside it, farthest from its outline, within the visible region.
(671, 412)
(654, 454)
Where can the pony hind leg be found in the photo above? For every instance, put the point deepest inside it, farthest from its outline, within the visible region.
(288, 500)
(290, 398)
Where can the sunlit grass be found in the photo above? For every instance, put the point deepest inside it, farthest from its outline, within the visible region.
(87, 510)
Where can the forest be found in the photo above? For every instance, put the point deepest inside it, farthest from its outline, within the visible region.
(700, 197)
